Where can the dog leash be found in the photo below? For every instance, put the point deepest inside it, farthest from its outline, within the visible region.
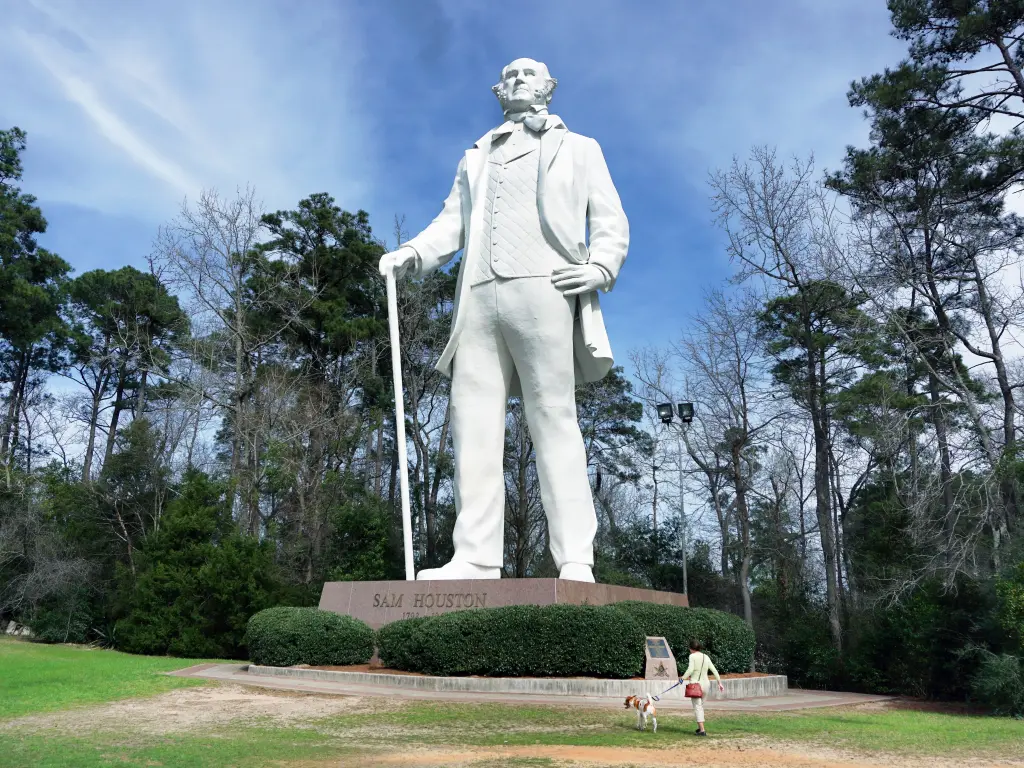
(658, 697)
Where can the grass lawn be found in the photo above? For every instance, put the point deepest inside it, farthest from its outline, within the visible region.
(242, 747)
(883, 730)
(41, 678)
(247, 731)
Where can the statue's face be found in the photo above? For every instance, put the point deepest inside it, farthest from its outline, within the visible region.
(524, 83)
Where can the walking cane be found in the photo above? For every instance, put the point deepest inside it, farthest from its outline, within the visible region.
(403, 464)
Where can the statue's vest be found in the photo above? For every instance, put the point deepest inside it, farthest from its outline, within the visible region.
(511, 240)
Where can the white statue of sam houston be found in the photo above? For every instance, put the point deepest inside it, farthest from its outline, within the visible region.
(527, 318)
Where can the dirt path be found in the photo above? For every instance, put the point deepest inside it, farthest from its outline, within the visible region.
(191, 708)
(721, 756)
(209, 707)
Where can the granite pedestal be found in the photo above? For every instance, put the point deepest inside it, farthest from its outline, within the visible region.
(380, 602)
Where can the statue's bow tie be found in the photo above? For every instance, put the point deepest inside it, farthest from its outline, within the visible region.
(538, 123)
(533, 121)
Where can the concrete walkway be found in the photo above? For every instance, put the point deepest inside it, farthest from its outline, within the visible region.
(792, 700)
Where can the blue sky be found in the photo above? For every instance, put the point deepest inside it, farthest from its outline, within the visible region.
(132, 106)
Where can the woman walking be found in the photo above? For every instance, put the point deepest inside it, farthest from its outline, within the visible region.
(697, 672)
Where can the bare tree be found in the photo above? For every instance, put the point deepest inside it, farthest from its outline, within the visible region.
(238, 311)
(723, 370)
(779, 229)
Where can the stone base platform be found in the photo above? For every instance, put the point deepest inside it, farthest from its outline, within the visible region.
(380, 602)
(244, 674)
(735, 688)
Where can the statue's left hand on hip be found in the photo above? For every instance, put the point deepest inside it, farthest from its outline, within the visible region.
(574, 279)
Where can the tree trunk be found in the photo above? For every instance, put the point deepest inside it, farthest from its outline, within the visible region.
(28, 439)
(714, 478)
(19, 402)
(393, 482)
(252, 494)
(238, 433)
(140, 397)
(915, 469)
(435, 490)
(523, 511)
(722, 515)
(14, 406)
(654, 501)
(782, 571)
(90, 443)
(368, 463)
(945, 466)
(823, 489)
(827, 534)
(378, 461)
(115, 416)
(743, 521)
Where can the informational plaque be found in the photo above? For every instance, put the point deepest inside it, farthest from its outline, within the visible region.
(660, 663)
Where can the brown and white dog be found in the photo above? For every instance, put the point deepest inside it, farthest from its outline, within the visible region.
(644, 708)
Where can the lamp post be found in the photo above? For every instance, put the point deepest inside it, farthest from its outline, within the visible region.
(685, 412)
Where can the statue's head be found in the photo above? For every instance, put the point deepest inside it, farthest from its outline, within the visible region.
(524, 83)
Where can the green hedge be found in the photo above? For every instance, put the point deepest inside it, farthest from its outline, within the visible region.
(998, 684)
(518, 641)
(282, 637)
(726, 638)
(398, 644)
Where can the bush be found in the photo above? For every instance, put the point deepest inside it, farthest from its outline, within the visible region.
(924, 646)
(197, 580)
(283, 637)
(793, 639)
(64, 617)
(1011, 607)
(398, 644)
(362, 545)
(518, 641)
(999, 684)
(726, 638)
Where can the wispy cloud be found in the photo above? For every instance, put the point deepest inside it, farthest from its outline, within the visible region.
(109, 124)
(146, 103)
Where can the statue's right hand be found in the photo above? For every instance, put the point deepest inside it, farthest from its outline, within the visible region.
(399, 261)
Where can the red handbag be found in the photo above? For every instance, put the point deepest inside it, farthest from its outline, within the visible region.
(694, 690)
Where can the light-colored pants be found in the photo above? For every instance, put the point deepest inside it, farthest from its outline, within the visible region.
(698, 705)
(522, 326)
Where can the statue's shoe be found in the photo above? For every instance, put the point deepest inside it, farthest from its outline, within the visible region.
(458, 570)
(577, 572)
